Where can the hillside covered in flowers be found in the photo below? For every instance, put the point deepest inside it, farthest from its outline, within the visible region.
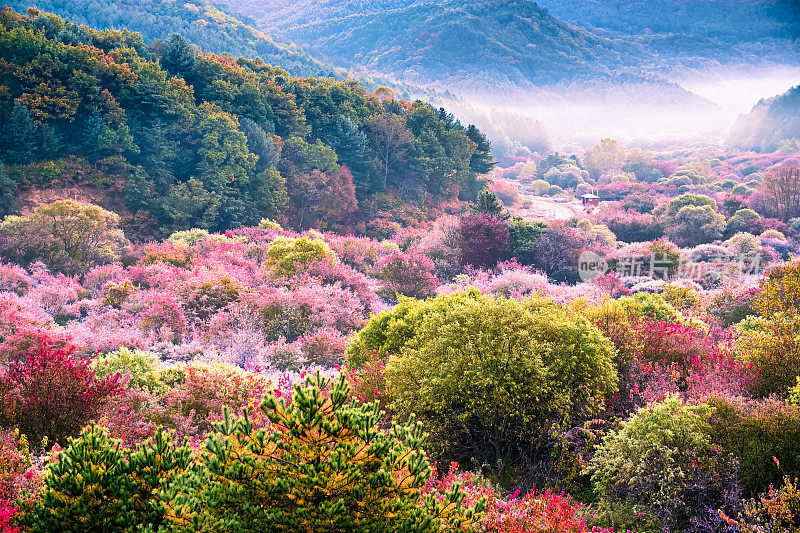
(233, 300)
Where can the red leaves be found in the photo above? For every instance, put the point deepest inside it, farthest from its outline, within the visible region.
(52, 392)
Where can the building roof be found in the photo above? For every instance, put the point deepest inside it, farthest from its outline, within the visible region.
(590, 195)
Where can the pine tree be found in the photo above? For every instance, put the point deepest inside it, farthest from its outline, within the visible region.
(18, 136)
(325, 465)
(179, 57)
(488, 203)
(95, 485)
(7, 188)
(351, 145)
(482, 161)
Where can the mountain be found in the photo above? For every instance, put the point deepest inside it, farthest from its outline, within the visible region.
(772, 124)
(716, 30)
(174, 137)
(467, 45)
(208, 26)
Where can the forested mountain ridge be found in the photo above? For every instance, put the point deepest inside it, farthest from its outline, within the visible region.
(206, 25)
(480, 43)
(480, 46)
(186, 138)
(718, 30)
(772, 124)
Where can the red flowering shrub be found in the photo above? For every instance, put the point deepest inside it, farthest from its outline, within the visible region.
(23, 327)
(51, 393)
(535, 512)
(8, 515)
(368, 383)
(667, 342)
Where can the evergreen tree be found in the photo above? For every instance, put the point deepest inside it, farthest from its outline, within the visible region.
(352, 145)
(260, 144)
(97, 486)
(18, 136)
(488, 202)
(179, 57)
(325, 465)
(481, 161)
(7, 188)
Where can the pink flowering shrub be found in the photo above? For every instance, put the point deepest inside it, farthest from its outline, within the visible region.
(23, 326)
(407, 274)
(168, 252)
(359, 253)
(346, 277)
(206, 293)
(19, 472)
(59, 296)
(163, 318)
(14, 278)
(325, 346)
(197, 392)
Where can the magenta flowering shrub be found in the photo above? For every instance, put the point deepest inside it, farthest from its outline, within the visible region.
(60, 296)
(23, 325)
(348, 278)
(667, 341)
(206, 293)
(629, 226)
(98, 277)
(50, 392)
(508, 278)
(359, 253)
(732, 303)
(19, 471)
(483, 239)
(558, 251)
(8, 515)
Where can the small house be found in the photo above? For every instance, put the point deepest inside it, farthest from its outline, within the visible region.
(590, 200)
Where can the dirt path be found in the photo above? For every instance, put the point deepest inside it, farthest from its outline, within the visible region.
(545, 208)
